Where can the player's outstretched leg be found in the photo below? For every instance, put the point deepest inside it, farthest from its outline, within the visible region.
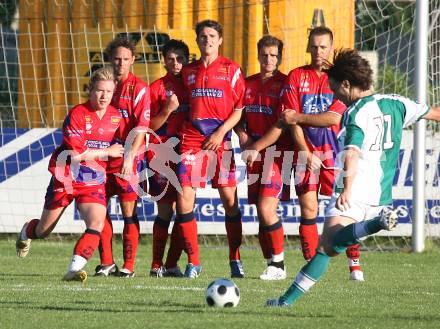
(305, 279)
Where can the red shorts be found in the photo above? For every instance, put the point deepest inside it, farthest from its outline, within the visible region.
(306, 181)
(58, 196)
(160, 187)
(198, 166)
(266, 180)
(124, 189)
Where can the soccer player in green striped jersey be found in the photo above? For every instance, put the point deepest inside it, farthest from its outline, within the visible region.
(370, 137)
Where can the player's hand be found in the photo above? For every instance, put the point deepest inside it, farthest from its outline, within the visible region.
(313, 162)
(289, 117)
(127, 167)
(213, 142)
(245, 141)
(249, 156)
(115, 151)
(343, 201)
(172, 103)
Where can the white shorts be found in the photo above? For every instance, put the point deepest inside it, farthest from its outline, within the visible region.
(358, 211)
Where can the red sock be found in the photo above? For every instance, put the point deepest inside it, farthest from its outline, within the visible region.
(175, 249)
(87, 244)
(106, 242)
(353, 254)
(130, 241)
(30, 229)
(160, 237)
(275, 237)
(264, 244)
(308, 233)
(188, 231)
(234, 233)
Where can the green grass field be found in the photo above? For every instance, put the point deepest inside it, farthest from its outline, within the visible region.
(402, 290)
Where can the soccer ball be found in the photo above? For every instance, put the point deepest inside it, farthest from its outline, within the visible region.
(222, 293)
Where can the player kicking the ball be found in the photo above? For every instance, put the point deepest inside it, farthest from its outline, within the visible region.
(370, 136)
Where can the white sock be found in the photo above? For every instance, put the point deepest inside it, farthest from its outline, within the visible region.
(278, 258)
(77, 263)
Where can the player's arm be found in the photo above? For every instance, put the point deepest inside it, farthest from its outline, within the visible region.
(134, 142)
(433, 114)
(171, 104)
(244, 138)
(216, 138)
(324, 119)
(351, 156)
(114, 151)
(268, 139)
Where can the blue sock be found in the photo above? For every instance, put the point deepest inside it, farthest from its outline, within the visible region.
(307, 277)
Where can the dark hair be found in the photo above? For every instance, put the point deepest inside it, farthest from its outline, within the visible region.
(175, 45)
(320, 30)
(269, 41)
(209, 23)
(120, 41)
(349, 65)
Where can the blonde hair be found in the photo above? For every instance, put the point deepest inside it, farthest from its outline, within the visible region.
(105, 73)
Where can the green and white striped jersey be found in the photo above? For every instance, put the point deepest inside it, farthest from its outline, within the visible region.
(374, 126)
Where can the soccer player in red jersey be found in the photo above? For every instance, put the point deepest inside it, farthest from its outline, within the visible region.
(265, 181)
(78, 172)
(215, 87)
(307, 91)
(132, 99)
(169, 109)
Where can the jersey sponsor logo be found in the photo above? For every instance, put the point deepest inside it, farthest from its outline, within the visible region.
(259, 109)
(124, 113)
(147, 114)
(304, 86)
(221, 77)
(96, 144)
(223, 69)
(313, 104)
(191, 79)
(126, 97)
(207, 92)
(115, 120)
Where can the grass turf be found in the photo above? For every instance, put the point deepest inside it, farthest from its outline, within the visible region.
(401, 290)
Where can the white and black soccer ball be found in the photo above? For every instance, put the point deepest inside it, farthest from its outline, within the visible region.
(222, 293)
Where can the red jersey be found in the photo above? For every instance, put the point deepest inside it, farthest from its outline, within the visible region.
(263, 106)
(214, 92)
(306, 92)
(159, 91)
(132, 99)
(84, 130)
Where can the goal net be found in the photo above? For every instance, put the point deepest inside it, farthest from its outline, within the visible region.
(48, 52)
